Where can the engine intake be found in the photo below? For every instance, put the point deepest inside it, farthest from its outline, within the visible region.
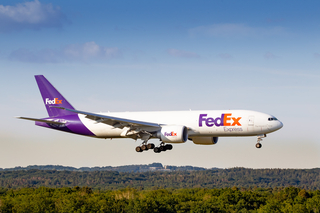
(173, 134)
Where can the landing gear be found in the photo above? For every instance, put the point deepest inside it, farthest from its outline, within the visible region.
(157, 150)
(144, 147)
(139, 149)
(162, 148)
(150, 146)
(169, 146)
(145, 136)
(258, 144)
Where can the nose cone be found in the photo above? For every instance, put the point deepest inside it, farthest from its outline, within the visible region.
(275, 125)
(279, 125)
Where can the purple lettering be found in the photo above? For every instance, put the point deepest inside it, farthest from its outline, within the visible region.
(220, 121)
(210, 122)
(201, 119)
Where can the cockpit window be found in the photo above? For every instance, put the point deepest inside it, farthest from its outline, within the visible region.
(272, 119)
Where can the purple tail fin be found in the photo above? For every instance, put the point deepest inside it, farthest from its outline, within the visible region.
(51, 97)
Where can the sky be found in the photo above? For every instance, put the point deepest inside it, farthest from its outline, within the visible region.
(161, 55)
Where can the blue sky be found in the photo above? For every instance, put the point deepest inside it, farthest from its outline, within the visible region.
(161, 55)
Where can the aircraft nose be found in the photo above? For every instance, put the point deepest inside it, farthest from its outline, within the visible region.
(280, 125)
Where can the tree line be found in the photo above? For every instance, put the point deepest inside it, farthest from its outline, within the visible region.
(308, 179)
(126, 168)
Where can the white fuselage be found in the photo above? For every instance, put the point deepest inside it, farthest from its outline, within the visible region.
(204, 123)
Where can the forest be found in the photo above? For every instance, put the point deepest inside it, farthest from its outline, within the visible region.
(308, 179)
(84, 199)
(162, 190)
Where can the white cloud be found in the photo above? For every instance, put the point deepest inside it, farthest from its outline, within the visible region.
(86, 52)
(90, 50)
(30, 15)
(182, 53)
(227, 30)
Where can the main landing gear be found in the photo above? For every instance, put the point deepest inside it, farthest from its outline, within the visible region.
(161, 148)
(258, 144)
(145, 147)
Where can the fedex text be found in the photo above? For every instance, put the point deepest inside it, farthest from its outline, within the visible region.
(54, 101)
(166, 134)
(224, 120)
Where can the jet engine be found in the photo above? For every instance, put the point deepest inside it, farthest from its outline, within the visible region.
(173, 134)
(204, 140)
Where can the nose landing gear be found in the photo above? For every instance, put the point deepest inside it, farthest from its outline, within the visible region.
(258, 144)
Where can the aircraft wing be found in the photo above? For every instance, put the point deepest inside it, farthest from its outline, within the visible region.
(113, 121)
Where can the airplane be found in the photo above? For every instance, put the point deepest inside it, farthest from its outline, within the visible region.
(202, 127)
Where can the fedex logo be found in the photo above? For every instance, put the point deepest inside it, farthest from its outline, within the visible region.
(224, 120)
(170, 134)
(54, 101)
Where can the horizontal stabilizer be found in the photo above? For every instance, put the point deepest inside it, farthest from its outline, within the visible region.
(41, 120)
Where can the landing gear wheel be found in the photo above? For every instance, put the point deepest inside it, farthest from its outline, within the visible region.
(258, 145)
(144, 147)
(163, 148)
(150, 146)
(157, 150)
(168, 146)
(139, 149)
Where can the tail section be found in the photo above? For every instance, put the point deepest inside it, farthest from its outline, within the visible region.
(51, 97)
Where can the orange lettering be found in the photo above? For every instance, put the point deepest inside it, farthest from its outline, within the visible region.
(57, 101)
(236, 121)
(225, 119)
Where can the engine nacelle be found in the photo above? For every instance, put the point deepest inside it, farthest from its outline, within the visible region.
(173, 134)
(205, 140)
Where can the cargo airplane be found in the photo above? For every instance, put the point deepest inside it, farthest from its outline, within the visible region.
(201, 126)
